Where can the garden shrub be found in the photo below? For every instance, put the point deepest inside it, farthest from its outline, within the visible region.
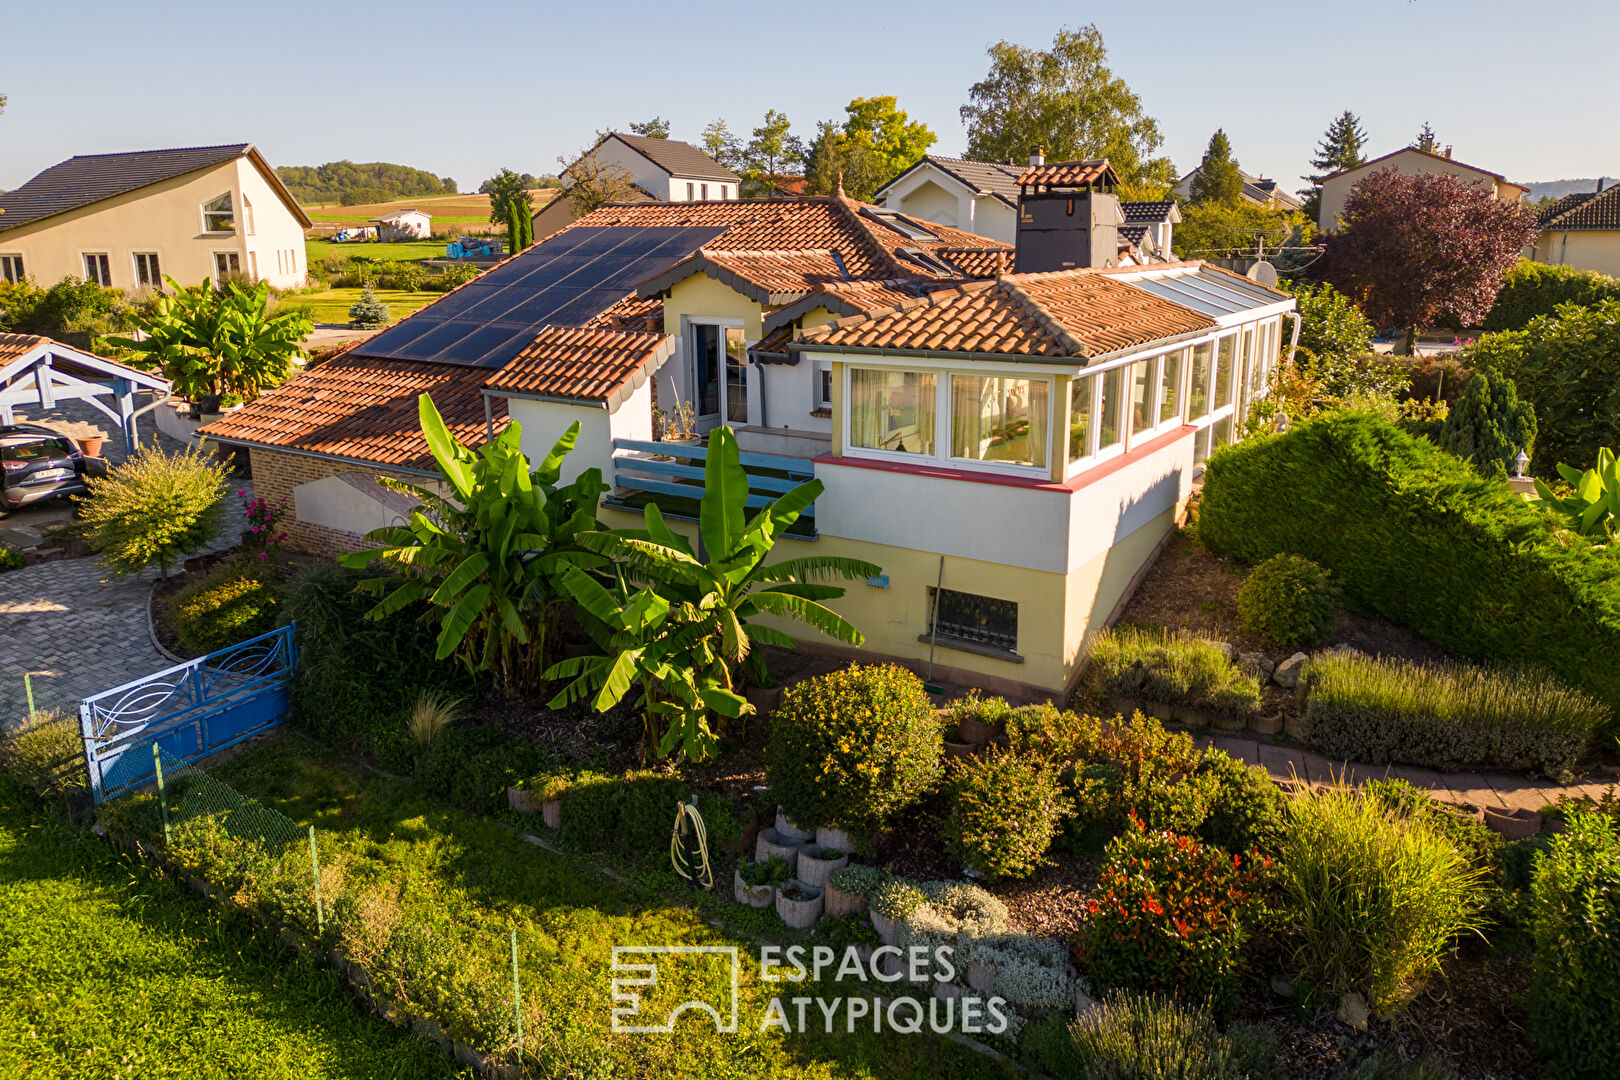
(590, 811)
(1372, 899)
(992, 712)
(1567, 365)
(1533, 289)
(46, 753)
(1178, 670)
(1288, 600)
(356, 679)
(1416, 536)
(951, 913)
(858, 880)
(1450, 717)
(1005, 810)
(1489, 425)
(1477, 842)
(853, 747)
(154, 508)
(647, 816)
(1245, 807)
(1151, 1037)
(1141, 770)
(1032, 973)
(1170, 915)
(1044, 732)
(236, 602)
(11, 558)
(472, 766)
(896, 899)
(1575, 903)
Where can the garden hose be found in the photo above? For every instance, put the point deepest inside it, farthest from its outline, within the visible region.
(689, 845)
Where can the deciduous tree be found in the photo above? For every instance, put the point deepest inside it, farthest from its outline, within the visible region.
(656, 128)
(1217, 179)
(592, 181)
(506, 189)
(1067, 100)
(1416, 248)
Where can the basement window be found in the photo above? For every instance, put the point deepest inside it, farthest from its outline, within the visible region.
(981, 624)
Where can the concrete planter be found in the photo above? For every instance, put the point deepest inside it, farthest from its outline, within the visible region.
(843, 903)
(977, 732)
(790, 830)
(1513, 824)
(827, 836)
(888, 929)
(800, 914)
(522, 800)
(772, 842)
(982, 977)
(814, 870)
(551, 813)
(756, 896)
(959, 749)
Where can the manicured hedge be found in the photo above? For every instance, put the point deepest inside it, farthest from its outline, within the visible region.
(1576, 916)
(1531, 289)
(1414, 535)
(1447, 716)
(236, 602)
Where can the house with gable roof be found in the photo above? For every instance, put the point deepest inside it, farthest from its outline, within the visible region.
(1011, 433)
(1582, 230)
(660, 170)
(126, 221)
(1409, 161)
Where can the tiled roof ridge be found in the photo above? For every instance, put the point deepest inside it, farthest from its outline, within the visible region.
(1044, 318)
(937, 296)
(241, 146)
(1584, 202)
(850, 209)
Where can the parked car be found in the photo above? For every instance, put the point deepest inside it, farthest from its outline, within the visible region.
(37, 463)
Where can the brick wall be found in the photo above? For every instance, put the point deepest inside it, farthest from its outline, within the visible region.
(276, 473)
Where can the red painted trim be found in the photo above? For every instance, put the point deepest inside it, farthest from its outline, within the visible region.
(1073, 484)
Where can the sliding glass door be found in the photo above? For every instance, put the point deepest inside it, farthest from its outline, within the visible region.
(719, 374)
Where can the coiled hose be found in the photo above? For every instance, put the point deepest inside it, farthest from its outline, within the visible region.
(689, 845)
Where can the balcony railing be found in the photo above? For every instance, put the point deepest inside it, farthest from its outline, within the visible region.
(671, 475)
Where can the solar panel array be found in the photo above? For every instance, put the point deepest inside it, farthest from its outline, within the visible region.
(565, 281)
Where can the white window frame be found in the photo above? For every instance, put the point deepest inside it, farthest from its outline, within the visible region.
(106, 265)
(220, 272)
(12, 267)
(156, 281)
(205, 212)
(247, 216)
(687, 338)
(941, 457)
(820, 372)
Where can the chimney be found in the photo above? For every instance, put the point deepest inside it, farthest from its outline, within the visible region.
(1448, 153)
(1067, 230)
(1037, 156)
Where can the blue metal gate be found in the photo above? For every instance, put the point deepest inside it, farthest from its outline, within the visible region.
(191, 710)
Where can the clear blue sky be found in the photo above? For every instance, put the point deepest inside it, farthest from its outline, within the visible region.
(463, 88)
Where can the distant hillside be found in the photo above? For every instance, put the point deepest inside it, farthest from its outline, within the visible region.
(350, 184)
(1557, 189)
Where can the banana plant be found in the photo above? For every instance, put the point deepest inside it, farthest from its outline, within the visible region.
(682, 625)
(1594, 508)
(489, 552)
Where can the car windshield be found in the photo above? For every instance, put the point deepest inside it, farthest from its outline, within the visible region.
(38, 450)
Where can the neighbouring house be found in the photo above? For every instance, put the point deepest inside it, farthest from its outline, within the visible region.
(404, 225)
(1408, 161)
(662, 170)
(1582, 230)
(982, 197)
(1022, 442)
(1256, 189)
(125, 221)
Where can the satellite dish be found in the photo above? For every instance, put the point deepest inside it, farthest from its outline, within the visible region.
(1263, 272)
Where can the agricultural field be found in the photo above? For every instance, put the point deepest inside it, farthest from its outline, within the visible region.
(107, 969)
(466, 209)
(406, 251)
(330, 306)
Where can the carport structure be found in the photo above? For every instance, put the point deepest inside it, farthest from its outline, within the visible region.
(40, 372)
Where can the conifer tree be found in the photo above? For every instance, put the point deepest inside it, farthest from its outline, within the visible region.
(1427, 139)
(368, 312)
(1218, 179)
(1489, 425)
(1339, 149)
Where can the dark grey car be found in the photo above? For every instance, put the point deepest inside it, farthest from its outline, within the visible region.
(37, 463)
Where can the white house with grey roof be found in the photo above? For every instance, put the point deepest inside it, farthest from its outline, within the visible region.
(667, 169)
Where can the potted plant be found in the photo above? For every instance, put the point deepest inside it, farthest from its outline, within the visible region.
(771, 842)
(979, 720)
(799, 904)
(755, 884)
(891, 904)
(816, 863)
(90, 445)
(954, 745)
(849, 887)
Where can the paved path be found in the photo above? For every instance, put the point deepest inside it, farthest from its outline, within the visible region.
(1481, 789)
(78, 629)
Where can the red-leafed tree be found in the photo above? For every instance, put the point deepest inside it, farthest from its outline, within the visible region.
(1414, 249)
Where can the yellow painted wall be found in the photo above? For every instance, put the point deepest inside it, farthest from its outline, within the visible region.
(818, 317)
(165, 218)
(700, 295)
(1595, 250)
(1336, 190)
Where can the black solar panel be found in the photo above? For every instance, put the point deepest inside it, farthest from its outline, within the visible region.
(566, 281)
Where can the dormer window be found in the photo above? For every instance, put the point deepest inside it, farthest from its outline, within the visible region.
(219, 216)
(904, 226)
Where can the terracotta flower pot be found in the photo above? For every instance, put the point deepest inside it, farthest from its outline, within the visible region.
(756, 896)
(551, 813)
(90, 445)
(745, 840)
(800, 914)
(827, 836)
(790, 830)
(813, 869)
(843, 903)
(522, 800)
(771, 842)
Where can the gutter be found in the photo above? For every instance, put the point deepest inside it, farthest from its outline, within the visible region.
(1008, 358)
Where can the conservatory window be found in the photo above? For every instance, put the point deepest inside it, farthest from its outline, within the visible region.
(1223, 371)
(1111, 411)
(1000, 419)
(1080, 394)
(1144, 394)
(1171, 403)
(892, 410)
(1199, 398)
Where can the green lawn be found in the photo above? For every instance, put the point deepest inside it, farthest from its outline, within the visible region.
(332, 305)
(410, 251)
(426, 898)
(107, 969)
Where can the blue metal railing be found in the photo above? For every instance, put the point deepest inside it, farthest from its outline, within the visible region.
(191, 710)
(647, 466)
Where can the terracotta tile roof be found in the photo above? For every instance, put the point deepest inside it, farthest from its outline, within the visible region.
(1073, 313)
(364, 409)
(1068, 174)
(779, 272)
(1586, 210)
(977, 262)
(588, 365)
(978, 176)
(15, 345)
(840, 298)
(632, 313)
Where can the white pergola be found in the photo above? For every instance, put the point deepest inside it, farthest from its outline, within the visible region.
(40, 372)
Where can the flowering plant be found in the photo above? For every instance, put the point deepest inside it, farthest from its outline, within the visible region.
(1170, 915)
(259, 533)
